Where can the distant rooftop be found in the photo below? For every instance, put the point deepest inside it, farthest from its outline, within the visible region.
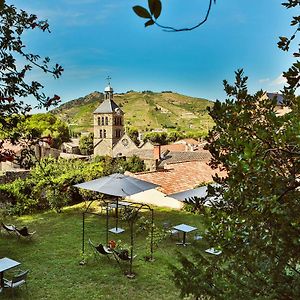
(174, 157)
(278, 96)
(180, 177)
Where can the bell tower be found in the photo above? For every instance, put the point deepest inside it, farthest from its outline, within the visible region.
(108, 123)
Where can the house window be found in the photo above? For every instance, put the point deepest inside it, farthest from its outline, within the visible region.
(99, 121)
(102, 121)
(100, 133)
(104, 133)
(106, 120)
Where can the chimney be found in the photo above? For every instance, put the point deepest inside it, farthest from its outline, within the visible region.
(157, 152)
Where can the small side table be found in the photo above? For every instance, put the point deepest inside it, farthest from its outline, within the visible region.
(185, 229)
(6, 264)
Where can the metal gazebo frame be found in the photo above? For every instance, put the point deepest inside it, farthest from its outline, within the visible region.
(138, 206)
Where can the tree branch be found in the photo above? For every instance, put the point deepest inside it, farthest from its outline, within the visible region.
(173, 29)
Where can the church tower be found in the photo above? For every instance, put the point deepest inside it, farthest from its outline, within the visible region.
(108, 124)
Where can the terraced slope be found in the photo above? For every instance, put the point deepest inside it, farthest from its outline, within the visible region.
(145, 111)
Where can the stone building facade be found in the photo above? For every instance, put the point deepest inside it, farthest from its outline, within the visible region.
(108, 124)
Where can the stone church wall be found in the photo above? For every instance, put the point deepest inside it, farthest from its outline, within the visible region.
(124, 147)
(103, 148)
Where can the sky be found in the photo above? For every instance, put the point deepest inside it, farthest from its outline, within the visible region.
(93, 39)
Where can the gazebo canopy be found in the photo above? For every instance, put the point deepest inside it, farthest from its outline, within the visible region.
(117, 185)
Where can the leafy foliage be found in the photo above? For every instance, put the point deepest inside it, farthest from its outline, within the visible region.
(43, 125)
(133, 133)
(50, 183)
(13, 84)
(164, 138)
(153, 13)
(86, 144)
(256, 225)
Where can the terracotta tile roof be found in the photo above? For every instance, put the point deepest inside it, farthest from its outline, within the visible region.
(180, 177)
(189, 141)
(15, 148)
(173, 147)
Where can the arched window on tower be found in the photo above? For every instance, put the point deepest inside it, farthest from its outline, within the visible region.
(106, 120)
(104, 133)
(102, 121)
(99, 121)
(118, 133)
(115, 120)
(100, 133)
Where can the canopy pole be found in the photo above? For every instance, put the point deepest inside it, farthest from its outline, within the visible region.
(83, 232)
(152, 232)
(107, 216)
(117, 214)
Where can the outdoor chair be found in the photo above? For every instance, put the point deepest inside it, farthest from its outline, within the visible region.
(170, 230)
(24, 232)
(100, 250)
(9, 228)
(104, 207)
(198, 237)
(17, 281)
(123, 255)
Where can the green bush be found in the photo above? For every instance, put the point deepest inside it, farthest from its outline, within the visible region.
(50, 183)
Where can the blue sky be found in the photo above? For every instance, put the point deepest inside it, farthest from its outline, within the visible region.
(92, 39)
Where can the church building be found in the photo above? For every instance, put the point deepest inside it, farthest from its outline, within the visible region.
(110, 137)
(108, 124)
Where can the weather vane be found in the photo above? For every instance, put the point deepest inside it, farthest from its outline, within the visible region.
(108, 78)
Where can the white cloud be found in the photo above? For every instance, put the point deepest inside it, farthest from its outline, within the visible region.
(280, 80)
(264, 80)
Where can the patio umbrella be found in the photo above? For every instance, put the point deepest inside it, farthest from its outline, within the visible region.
(200, 192)
(119, 185)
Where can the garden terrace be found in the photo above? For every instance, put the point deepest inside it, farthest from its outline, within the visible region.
(54, 253)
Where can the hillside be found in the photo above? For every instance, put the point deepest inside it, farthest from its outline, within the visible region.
(145, 111)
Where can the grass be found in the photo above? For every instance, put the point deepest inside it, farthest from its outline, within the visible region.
(53, 257)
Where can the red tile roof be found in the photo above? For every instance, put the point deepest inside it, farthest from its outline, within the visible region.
(173, 147)
(189, 141)
(181, 176)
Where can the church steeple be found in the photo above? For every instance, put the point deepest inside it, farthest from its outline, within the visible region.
(108, 123)
(108, 91)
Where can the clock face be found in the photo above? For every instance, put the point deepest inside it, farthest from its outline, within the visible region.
(125, 142)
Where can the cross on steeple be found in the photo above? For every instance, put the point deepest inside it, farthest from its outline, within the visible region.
(108, 78)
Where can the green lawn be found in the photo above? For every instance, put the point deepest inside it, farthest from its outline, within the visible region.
(53, 257)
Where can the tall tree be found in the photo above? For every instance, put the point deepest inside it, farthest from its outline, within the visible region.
(15, 64)
(86, 144)
(42, 126)
(256, 225)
